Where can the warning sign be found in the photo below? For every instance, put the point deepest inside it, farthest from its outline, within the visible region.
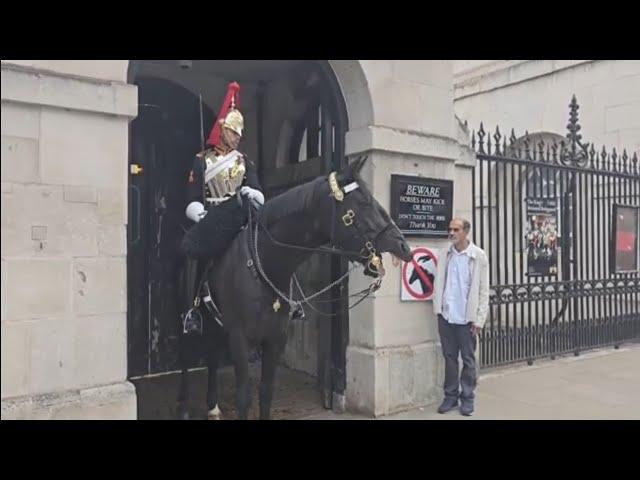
(418, 275)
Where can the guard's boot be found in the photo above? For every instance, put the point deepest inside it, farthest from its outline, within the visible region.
(192, 321)
(192, 318)
(296, 312)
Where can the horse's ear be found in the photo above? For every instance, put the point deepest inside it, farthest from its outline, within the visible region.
(358, 164)
(350, 172)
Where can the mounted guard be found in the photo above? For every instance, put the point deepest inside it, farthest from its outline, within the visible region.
(222, 185)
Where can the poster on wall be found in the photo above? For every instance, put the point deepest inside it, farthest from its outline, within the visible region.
(418, 275)
(541, 237)
(625, 234)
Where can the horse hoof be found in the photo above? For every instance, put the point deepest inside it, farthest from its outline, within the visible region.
(214, 414)
(182, 414)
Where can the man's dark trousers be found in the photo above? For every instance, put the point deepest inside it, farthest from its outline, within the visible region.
(455, 340)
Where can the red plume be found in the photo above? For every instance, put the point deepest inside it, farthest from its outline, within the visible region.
(232, 99)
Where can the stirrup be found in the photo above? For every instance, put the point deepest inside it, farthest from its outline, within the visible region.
(192, 322)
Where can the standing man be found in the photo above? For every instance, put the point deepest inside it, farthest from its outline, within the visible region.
(461, 302)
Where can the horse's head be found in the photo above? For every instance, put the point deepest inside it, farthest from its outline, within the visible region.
(361, 224)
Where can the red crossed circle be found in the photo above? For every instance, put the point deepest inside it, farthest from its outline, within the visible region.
(416, 253)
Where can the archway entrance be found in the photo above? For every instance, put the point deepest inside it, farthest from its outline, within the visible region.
(295, 124)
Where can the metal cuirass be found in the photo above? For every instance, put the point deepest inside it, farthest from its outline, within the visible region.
(223, 175)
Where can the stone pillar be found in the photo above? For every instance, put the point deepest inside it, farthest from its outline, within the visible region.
(64, 215)
(393, 359)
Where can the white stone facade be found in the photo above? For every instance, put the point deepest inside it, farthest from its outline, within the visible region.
(534, 96)
(64, 217)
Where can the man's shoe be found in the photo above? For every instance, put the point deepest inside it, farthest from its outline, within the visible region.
(447, 405)
(466, 409)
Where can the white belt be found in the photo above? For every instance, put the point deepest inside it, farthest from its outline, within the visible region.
(218, 200)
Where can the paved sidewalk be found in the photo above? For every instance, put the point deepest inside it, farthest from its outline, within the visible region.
(597, 385)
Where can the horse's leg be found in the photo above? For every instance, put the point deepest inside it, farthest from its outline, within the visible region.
(240, 356)
(183, 397)
(187, 279)
(212, 386)
(271, 353)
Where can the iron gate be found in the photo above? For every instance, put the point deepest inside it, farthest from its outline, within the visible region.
(544, 211)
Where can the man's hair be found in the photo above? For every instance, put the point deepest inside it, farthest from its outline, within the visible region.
(466, 225)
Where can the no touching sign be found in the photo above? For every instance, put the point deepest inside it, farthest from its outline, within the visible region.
(418, 275)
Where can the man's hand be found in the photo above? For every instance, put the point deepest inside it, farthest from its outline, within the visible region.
(256, 196)
(475, 330)
(195, 211)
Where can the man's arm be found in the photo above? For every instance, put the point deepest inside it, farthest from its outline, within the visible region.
(251, 175)
(251, 186)
(483, 293)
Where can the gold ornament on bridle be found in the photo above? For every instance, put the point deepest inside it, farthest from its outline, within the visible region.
(336, 191)
(375, 261)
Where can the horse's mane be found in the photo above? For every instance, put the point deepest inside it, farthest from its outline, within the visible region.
(299, 199)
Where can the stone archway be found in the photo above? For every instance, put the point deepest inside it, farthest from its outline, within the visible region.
(272, 91)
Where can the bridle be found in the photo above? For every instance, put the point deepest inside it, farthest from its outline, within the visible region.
(349, 219)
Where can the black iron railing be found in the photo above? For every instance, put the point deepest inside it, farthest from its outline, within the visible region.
(543, 212)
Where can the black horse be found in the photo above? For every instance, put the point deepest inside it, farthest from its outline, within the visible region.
(336, 211)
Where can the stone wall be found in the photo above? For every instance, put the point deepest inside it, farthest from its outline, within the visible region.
(63, 236)
(534, 96)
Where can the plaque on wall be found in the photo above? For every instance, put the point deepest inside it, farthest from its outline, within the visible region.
(421, 206)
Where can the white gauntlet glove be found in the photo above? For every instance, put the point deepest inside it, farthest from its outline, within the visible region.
(256, 196)
(195, 211)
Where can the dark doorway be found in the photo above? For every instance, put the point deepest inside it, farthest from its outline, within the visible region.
(164, 138)
(295, 121)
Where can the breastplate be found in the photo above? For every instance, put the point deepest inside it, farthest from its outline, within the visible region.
(223, 175)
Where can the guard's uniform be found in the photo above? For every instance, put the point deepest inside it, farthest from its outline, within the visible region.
(225, 215)
(222, 184)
